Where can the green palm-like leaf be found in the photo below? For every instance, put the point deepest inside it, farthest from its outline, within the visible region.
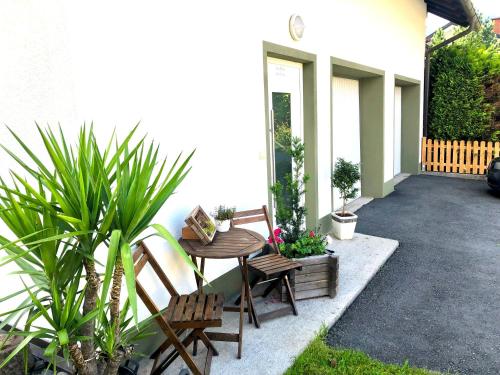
(164, 233)
(26, 341)
(113, 247)
(128, 269)
(71, 299)
(38, 303)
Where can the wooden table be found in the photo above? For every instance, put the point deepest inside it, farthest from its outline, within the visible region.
(236, 243)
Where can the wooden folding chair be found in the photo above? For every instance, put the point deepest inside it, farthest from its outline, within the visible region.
(272, 268)
(185, 313)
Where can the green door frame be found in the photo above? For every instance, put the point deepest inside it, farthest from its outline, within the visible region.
(371, 117)
(308, 61)
(410, 123)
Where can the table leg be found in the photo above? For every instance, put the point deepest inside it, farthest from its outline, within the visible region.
(198, 279)
(242, 314)
(196, 276)
(244, 279)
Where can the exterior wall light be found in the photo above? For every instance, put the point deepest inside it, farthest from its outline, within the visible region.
(296, 26)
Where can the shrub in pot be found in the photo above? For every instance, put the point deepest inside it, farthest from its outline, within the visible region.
(319, 274)
(84, 201)
(344, 176)
(223, 216)
(307, 245)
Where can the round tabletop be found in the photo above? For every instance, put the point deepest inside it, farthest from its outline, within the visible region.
(235, 243)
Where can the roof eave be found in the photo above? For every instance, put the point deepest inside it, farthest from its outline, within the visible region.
(460, 12)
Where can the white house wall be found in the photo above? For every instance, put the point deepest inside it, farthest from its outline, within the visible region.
(192, 73)
(345, 126)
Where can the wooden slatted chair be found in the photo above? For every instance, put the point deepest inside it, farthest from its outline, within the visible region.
(189, 314)
(272, 268)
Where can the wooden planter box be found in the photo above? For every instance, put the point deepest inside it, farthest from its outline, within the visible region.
(197, 222)
(319, 277)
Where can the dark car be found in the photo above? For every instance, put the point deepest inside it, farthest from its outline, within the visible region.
(494, 174)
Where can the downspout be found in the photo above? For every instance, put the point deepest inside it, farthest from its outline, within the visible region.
(474, 25)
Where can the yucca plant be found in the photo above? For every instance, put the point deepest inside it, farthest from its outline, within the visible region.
(85, 200)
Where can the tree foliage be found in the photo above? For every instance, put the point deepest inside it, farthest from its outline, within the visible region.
(458, 107)
(289, 196)
(344, 176)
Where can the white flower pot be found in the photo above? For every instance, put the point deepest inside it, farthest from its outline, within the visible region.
(222, 225)
(343, 226)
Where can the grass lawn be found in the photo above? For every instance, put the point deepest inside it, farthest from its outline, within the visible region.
(319, 358)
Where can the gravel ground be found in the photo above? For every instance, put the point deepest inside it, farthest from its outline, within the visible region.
(436, 302)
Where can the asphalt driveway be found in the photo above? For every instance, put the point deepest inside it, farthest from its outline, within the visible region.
(436, 302)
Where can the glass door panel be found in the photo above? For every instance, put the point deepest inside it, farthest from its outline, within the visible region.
(286, 116)
(282, 128)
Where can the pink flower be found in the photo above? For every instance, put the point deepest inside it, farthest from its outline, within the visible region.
(276, 233)
(278, 239)
(311, 234)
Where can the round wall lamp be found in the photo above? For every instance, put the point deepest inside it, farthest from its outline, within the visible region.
(296, 26)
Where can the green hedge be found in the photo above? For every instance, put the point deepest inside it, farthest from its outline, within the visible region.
(458, 107)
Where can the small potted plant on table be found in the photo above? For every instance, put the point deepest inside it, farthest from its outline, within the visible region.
(223, 216)
(319, 274)
(344, 176)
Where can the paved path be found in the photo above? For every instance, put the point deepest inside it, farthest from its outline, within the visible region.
(436, 302)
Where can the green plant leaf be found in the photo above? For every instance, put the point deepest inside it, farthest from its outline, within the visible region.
(114, 244)
(9, 296)
(165, 234)
(63, 336)
(70, 298)
(88, 317)
(30, 336)
(48, 239)
(38, 303)
(50, 349)
(69, 219)
(75, 310)
(128, 269)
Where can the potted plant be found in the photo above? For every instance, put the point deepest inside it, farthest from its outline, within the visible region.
(209, 228)
(319, 274)
(344, 176)
(223, 216)
(85, 204)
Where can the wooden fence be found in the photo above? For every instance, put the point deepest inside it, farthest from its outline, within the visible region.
(471, 157)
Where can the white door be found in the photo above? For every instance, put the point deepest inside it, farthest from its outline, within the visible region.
(397, 130)
(345, 125)
(286, 118)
